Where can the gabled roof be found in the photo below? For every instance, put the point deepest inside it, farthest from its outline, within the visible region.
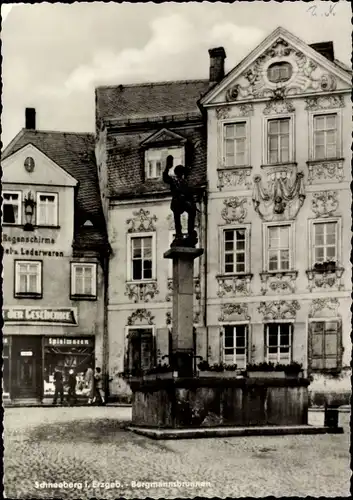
(337, 68)
(74, 153)
(149, 99)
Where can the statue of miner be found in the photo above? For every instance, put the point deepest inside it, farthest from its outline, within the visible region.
(182, 201)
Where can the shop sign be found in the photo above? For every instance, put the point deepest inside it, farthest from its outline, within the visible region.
(68, 341)
(13, 246)
(40, 315)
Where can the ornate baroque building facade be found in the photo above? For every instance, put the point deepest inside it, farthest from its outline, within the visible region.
(278, 170)
(274, 214)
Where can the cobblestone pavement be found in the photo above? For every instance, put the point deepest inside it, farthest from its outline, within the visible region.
(88, 445)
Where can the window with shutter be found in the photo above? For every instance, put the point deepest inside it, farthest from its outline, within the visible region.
(325, 345)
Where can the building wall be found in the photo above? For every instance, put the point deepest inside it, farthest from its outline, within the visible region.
(321, 301)
(154, 307)
(56, 254)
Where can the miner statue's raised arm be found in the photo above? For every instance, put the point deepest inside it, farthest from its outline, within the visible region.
(182, 201)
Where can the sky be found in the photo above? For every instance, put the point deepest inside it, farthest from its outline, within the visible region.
(54, 55)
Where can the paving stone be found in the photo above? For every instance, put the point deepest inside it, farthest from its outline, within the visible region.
(87, 445)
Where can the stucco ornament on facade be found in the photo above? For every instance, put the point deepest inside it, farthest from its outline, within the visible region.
(278, 107)
(169, 317)
(279, 309)
(282, 199)
(141, 221)
(240, 311)
(233, 286)
(234, 210)
(325, 171)
(325, 306)
(324, 203)
(143, 315)
(223, 112)
(278, 283)
(234, 178)
(141, 292)
(305, 75)
(325, 280)
(324, 102)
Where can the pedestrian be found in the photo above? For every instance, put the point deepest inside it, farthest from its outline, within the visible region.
(59, 386)
(89, 379)
(99, 386)
(71, 394)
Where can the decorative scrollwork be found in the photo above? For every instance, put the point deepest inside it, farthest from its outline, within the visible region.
(324, 102)
(278, 283)
(140, 314)
(233, 178)
(325, 171)
(141, 292)
(234, 210)
(234, 285)
(324, 203)
(238, 310)
(141, 222)
(279, 309)
(319, 305)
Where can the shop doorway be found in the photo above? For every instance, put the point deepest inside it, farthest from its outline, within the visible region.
(26, 352)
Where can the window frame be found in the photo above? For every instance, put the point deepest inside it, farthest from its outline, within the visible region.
(339, 352)
(311, 119)
(20, 196)
(77, 296)
(33, 295)
(56, 208)
(265, 142)
(235, 121)
(165, 151)
(234, 324)
(129, 270)
(311, 238)
(234, 227)
(154, 344)
(265, 240)
(279, 322)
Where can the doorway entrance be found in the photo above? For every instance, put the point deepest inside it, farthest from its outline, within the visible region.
(26, 367)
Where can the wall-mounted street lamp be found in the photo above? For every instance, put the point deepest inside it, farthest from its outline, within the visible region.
(29, 204)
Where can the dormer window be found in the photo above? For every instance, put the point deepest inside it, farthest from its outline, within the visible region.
(155, 159)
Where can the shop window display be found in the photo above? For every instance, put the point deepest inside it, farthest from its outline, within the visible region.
(67, 354)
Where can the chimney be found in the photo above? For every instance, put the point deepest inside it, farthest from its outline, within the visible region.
(30, 118)
(325, 49)
(217, 57)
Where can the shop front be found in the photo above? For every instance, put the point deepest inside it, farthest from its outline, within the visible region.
(30, 360)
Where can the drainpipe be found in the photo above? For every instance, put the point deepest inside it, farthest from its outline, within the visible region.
(205, 215)
(105, 322)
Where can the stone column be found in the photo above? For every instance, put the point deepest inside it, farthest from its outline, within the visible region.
(183, 307)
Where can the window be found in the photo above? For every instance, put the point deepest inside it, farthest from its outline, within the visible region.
(278, 141)
(325, 136)
(325, 342)
(11, 207)
(47, 209)
(279, 248)
(235, 345)
(140, 350)
(235, 251)
(279, 72)
(155, 160)
(325, 242)
(28, 278)
(278, 342)
(235, 144)
(142, 258)
(84, 280)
